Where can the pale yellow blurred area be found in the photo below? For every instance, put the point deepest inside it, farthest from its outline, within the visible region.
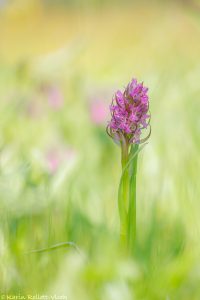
(28, 30)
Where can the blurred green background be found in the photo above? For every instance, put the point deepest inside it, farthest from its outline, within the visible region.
(60, 64)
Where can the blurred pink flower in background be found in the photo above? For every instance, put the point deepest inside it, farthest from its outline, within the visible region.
(55, 97)
(52, 159)
(98, 104)
(57, 157)
(98, 112)
(34, 108)
(44, 97)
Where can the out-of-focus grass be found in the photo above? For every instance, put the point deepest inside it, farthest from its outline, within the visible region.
(59, 171)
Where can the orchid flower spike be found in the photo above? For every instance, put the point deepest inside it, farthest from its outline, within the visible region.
(130, 114)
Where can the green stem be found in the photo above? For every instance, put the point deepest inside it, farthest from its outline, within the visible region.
(127, 195)
(124, 161)
(124, 192)
(132, 200)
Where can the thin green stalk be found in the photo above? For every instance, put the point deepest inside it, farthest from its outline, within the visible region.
(124, 216)
(132, 199)
(124, 192)
(55, 247)
(124, 161)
